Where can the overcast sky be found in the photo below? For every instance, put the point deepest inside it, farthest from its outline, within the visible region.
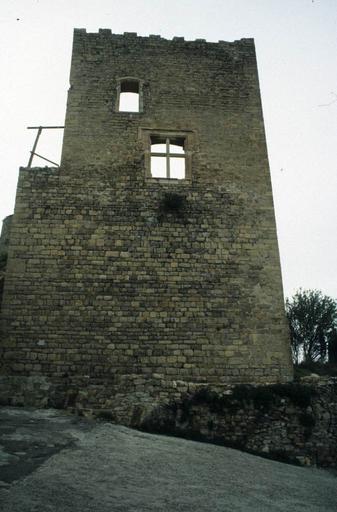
(296, 44)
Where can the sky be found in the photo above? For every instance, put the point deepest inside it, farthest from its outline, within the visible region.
(296, 45)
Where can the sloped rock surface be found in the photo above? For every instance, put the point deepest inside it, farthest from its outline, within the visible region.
(103, 467)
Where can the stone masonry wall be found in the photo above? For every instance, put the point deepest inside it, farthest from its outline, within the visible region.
(110, 291)
(294, 422)
(5, 233)
(4, 242)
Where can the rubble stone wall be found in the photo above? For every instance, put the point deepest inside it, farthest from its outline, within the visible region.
(291, 422)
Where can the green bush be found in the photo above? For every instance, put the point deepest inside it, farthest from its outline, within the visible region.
(261, 396)
(306, 368)
(307, 420)
(299, 394)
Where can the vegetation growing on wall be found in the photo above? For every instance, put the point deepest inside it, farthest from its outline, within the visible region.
(291, 422)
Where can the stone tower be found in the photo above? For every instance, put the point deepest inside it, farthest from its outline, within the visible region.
(147, 262)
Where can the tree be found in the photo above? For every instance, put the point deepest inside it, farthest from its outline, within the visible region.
(312, 320)
(332, 348)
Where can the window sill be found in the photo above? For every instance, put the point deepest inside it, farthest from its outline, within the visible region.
(169, 181)
(128, 112)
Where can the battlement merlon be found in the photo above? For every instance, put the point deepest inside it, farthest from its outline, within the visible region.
(105, 32)
(96, 47)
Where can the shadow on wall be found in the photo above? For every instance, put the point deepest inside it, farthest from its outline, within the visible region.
(4, 242)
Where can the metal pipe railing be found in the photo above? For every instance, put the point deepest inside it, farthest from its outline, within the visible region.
(33, 151)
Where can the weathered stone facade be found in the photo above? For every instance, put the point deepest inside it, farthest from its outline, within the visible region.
(111, 287)
(4, 243)
(5, 233)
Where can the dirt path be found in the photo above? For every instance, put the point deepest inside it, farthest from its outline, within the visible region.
(50, 461)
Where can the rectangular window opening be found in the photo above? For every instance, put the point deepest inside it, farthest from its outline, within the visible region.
(129, 96)
(168, 157)
(129, 102)
(177, 168)
(158, 167)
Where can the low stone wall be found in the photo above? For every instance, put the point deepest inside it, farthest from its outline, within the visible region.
(294, 422)
(289, 422)
(84, 395)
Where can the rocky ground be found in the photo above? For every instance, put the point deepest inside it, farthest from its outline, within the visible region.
(52, 461)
